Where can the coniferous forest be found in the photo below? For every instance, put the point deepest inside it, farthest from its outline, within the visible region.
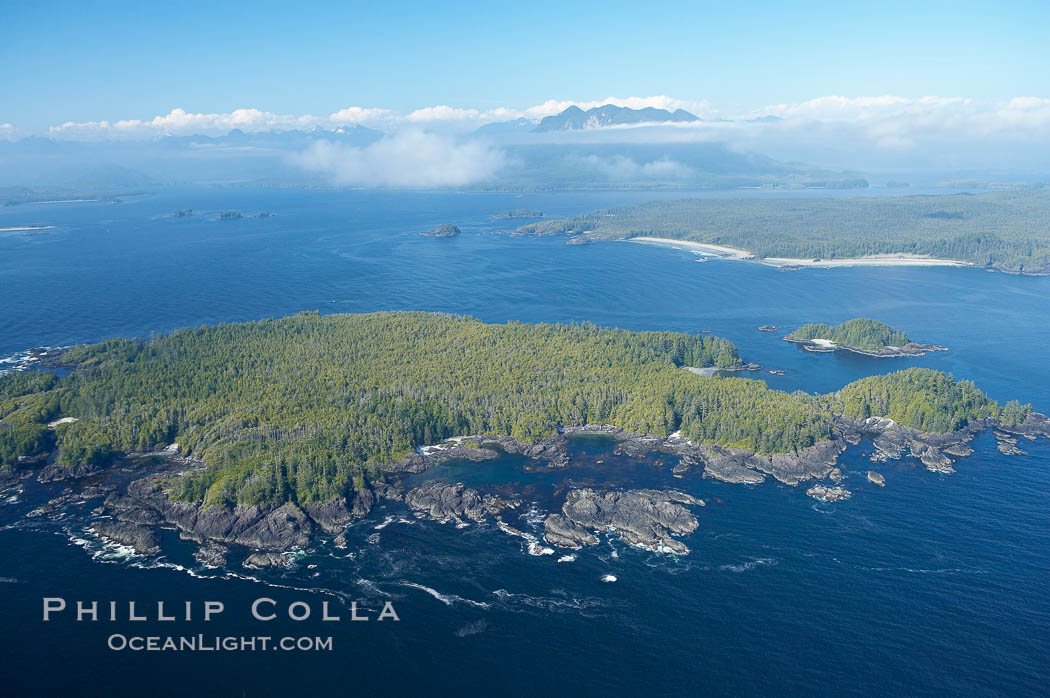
(1006, 230)
(862, 333)
(302, 408)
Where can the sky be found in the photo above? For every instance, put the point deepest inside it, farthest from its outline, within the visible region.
(85, 62)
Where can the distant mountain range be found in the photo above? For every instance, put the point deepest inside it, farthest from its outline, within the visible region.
(575, 119)
(574, 149)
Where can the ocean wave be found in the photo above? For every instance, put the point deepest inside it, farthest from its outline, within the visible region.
(920, 570)
(749, 565)
(562, 601)
(447, 599)
(472, 628)
(369, 586)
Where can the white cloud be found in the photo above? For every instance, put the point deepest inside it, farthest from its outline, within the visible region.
(833, 130)
(442, 113)
(620, 167)
(361, 115)
(8, 132)
(180, 122)
(409, 159)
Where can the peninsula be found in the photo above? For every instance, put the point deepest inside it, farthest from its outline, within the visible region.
(999, 230)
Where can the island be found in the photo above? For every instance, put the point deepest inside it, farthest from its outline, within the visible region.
(229, 216)
(183, 213)
(998, 230)
(445, 230)
(519, 213)
(862, 336)
(255, 438)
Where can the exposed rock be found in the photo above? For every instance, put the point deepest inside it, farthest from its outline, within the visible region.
(443, 501)
(825, 346)
(262, 528)
(812, 463)
(263, 560)
(142, 539)
(934, 460)
(646, 518)
(876, 478)
(449, 450)
(563, 532)
(1007, 444)
(332, 516)
(828, 494)
(729, 465)
(212, 555)
(835, 475)
(363, 501)
(57, 473)
(494, 504)
(387, 491)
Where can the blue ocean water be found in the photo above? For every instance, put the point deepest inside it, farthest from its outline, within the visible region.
(934, 584)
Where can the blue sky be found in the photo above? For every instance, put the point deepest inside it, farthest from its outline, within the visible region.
(83, 61)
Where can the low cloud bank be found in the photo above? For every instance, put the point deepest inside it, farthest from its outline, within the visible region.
(409, 159)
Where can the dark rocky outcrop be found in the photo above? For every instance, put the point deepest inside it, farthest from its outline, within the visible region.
(263, 560)
(565, 533)
(212, 555)
(57, 473)
(442, 501)
(646, 518)
(262, 528)
(333, 516)
(384, 490)
(729, 465)
(144, 540)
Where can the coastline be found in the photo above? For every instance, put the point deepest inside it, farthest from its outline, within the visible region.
(876, 260)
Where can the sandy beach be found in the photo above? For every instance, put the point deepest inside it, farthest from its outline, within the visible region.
(875, 260)
(716, 250)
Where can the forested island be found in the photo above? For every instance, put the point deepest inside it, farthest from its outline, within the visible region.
(860, 336)
(445, 230)
(1001, 230)
(519, 213)
(308, 418)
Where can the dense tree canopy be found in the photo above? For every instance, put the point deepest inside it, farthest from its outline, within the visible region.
(1005, 229)
(861, 333)
(299, 409)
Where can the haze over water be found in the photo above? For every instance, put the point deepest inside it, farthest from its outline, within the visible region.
(933, 584)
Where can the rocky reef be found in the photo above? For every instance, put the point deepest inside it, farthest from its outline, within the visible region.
(645, 518)
(132, 498)
(828, 494)
(442, 501)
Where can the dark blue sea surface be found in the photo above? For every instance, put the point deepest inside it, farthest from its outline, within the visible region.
(936, 584)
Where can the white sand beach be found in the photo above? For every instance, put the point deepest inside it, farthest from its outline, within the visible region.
(875, 260)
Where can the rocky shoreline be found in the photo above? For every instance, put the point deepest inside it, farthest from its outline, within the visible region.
(135, 503)
(888, 352)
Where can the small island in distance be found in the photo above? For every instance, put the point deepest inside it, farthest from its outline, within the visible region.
(860, 336)
(520, 213)
(445, 230)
